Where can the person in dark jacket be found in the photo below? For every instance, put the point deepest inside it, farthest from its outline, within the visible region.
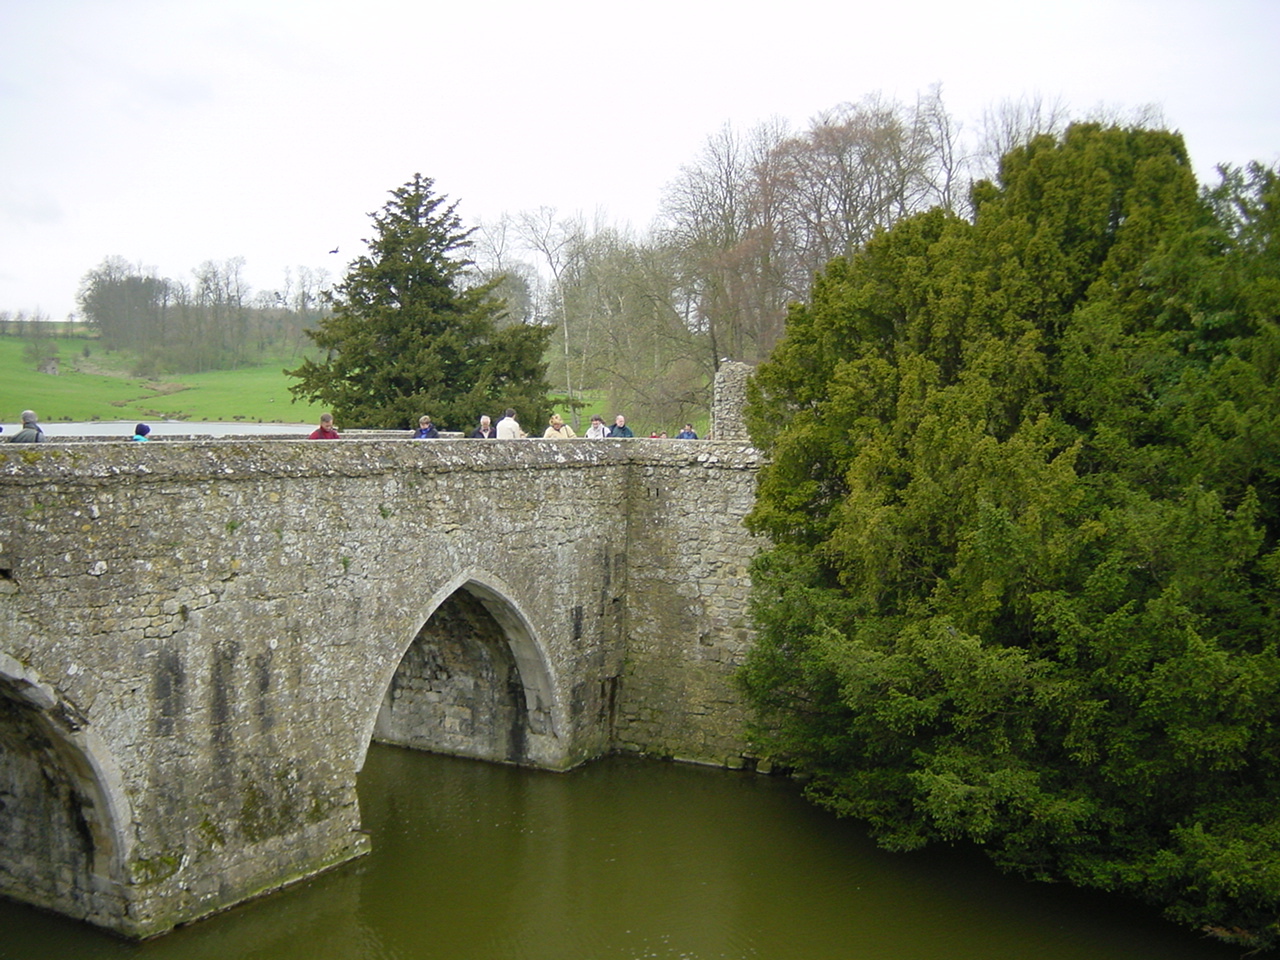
(620, 428)
(426, 429)
(485, 431)
(30, 432)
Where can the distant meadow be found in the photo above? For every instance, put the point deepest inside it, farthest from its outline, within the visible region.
(99, 387)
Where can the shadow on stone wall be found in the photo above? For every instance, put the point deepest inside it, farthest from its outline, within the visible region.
(56, 829)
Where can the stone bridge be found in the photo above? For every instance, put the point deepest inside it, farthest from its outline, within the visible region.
(199, 640)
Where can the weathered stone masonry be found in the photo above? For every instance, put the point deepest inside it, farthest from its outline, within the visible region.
(198, 641)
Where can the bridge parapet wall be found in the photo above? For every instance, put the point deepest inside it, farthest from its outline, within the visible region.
(225, 617)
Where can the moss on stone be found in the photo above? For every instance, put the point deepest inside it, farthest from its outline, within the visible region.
(211, 833)
(149, 870)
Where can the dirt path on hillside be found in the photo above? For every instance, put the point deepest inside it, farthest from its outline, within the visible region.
(110, 367)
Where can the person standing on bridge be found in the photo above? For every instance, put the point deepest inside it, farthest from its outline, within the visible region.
(326, 430)
(558, 429)
(509, 428)
(597, 430)
(30, 432)
(485, 431)
(426, 429)
(620, 428)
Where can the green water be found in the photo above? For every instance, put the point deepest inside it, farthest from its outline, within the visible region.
(630, 859)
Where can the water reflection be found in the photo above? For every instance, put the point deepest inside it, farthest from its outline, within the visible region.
(630, 859)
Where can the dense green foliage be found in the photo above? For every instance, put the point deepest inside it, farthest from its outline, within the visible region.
(408, 337)
(1024, 507)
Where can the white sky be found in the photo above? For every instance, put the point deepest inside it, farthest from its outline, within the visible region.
(177, 131)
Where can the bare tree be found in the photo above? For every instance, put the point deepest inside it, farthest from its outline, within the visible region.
(632, 338)
(946, 167)
(757, 216)
(1149, 115)
(40, 348)
(1015, 123)
(495, 244)
(861, 167)
(557, 242)
(722, 212)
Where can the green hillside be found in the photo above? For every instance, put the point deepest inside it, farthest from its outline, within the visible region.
(98, 387)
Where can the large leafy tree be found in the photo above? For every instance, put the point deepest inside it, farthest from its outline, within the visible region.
(124, 304)
(1023, 503)
(408, 334)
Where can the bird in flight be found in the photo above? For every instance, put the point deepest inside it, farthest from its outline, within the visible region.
(334, 250)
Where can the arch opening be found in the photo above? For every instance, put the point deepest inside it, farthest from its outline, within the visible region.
(56, 847)
(470, 684)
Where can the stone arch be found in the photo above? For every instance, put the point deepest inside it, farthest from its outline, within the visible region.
(474, 681)
(62, 804)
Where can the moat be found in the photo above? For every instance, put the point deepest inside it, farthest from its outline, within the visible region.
(625, 858)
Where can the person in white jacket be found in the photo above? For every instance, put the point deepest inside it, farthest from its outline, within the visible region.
(508, 428)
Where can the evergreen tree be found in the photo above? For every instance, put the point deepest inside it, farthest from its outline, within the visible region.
(408, 336)
(1022, 495)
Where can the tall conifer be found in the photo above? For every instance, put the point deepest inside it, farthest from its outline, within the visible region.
(408, 336)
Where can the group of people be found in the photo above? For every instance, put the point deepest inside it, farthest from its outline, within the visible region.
(31, 431)
(508, 428)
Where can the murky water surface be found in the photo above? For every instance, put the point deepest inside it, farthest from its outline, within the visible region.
(630, 859)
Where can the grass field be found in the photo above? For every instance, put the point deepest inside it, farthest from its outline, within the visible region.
(108, 393)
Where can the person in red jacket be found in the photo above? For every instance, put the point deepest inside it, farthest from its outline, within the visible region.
(325, 431)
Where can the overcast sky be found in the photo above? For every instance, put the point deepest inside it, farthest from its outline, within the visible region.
(174, 132)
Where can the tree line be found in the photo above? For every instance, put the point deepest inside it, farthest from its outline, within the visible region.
(213, 322)
(1024, 505)
(641, 320)
(646, 319)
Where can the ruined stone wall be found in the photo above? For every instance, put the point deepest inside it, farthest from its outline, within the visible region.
(730, 399)
(211, 629)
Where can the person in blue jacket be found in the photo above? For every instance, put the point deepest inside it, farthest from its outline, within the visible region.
(426, 429)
